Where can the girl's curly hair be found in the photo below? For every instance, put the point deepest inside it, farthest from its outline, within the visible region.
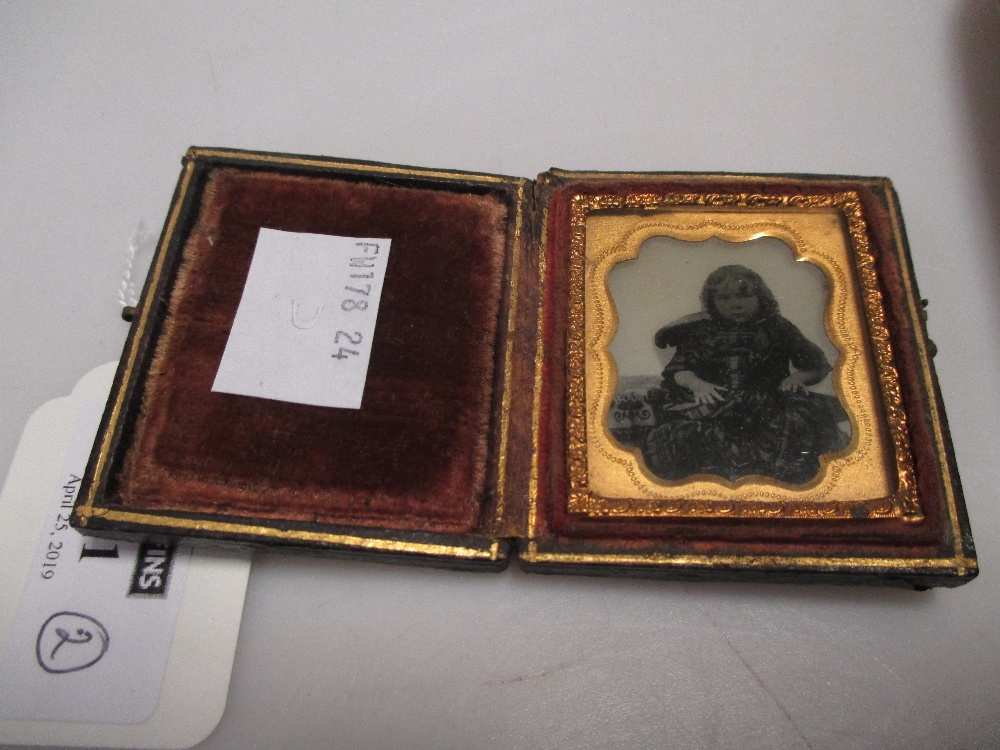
(746, 281)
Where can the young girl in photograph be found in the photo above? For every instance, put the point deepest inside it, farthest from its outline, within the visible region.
(734, 399)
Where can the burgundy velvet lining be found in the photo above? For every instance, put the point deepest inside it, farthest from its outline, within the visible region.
(414, 456)
(887, 537)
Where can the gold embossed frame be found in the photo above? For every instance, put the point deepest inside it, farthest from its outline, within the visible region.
(624, 257)
(870, 476)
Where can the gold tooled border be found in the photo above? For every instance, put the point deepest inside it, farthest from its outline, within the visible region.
(88, 508)
(491, 553)
(536, 401)
(507, 363)
(336, 164)
(934, 407)
(961, 564)
(902, 503)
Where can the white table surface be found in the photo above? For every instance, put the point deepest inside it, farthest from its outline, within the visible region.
(98, 102)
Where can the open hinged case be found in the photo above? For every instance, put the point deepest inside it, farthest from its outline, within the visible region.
(680, 375)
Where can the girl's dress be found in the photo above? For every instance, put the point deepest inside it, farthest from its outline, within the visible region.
(756, 429)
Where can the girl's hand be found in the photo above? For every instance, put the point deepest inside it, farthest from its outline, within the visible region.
(704, 393)
(796, 382)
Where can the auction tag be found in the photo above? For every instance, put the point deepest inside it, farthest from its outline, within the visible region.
(303, 330)
(105, 643)
(94, 626)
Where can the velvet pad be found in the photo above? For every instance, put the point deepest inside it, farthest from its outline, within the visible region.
(414, 456)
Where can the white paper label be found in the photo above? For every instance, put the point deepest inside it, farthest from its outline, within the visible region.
(94, 626)
(303, 330)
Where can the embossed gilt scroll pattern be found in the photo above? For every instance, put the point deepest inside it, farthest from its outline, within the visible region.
(901, 503)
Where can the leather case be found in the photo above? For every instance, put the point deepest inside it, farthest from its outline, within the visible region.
(516, 403)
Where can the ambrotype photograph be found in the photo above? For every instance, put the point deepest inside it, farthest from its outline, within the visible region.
(724, 361)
